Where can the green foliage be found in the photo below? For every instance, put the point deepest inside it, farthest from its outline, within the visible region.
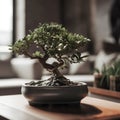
(20, 47)
(52, 40)
(103, 71)
(114, 69)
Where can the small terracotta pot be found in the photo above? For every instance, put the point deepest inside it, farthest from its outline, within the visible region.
(115, 83)
(97, 80)
(100, 81)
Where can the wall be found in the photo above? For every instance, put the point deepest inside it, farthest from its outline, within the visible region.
(41, 11)
(102, 25)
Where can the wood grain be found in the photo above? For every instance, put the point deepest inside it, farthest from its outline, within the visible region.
(16, 107)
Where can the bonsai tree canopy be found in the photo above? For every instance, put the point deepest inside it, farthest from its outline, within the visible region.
(52, 41)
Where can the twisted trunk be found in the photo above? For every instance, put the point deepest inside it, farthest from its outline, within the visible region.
(52, 67)
(57, 79)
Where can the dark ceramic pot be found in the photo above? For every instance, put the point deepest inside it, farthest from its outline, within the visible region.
(54, 95)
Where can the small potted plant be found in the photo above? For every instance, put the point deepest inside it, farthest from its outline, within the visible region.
(114, 72)
(101, 78)
(52, 41)
(108, 77)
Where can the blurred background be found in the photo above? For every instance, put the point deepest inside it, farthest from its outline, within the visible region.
(92, 18)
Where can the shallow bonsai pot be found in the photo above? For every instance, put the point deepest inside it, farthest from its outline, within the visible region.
(54, 95)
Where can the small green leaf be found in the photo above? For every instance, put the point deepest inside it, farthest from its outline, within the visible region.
(37, 54)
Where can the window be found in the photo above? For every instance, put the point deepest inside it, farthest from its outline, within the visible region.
(6, 17)
(6, 27)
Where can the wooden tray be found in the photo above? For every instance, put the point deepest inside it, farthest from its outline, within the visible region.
(108, 93)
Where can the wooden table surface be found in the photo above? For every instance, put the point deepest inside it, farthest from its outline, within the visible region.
(16, 107)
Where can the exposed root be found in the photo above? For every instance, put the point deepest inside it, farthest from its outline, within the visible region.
(53, 81)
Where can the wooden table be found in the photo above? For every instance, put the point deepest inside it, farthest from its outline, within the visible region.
(16, 107)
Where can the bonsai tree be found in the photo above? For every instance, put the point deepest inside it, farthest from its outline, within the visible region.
(52, 41)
